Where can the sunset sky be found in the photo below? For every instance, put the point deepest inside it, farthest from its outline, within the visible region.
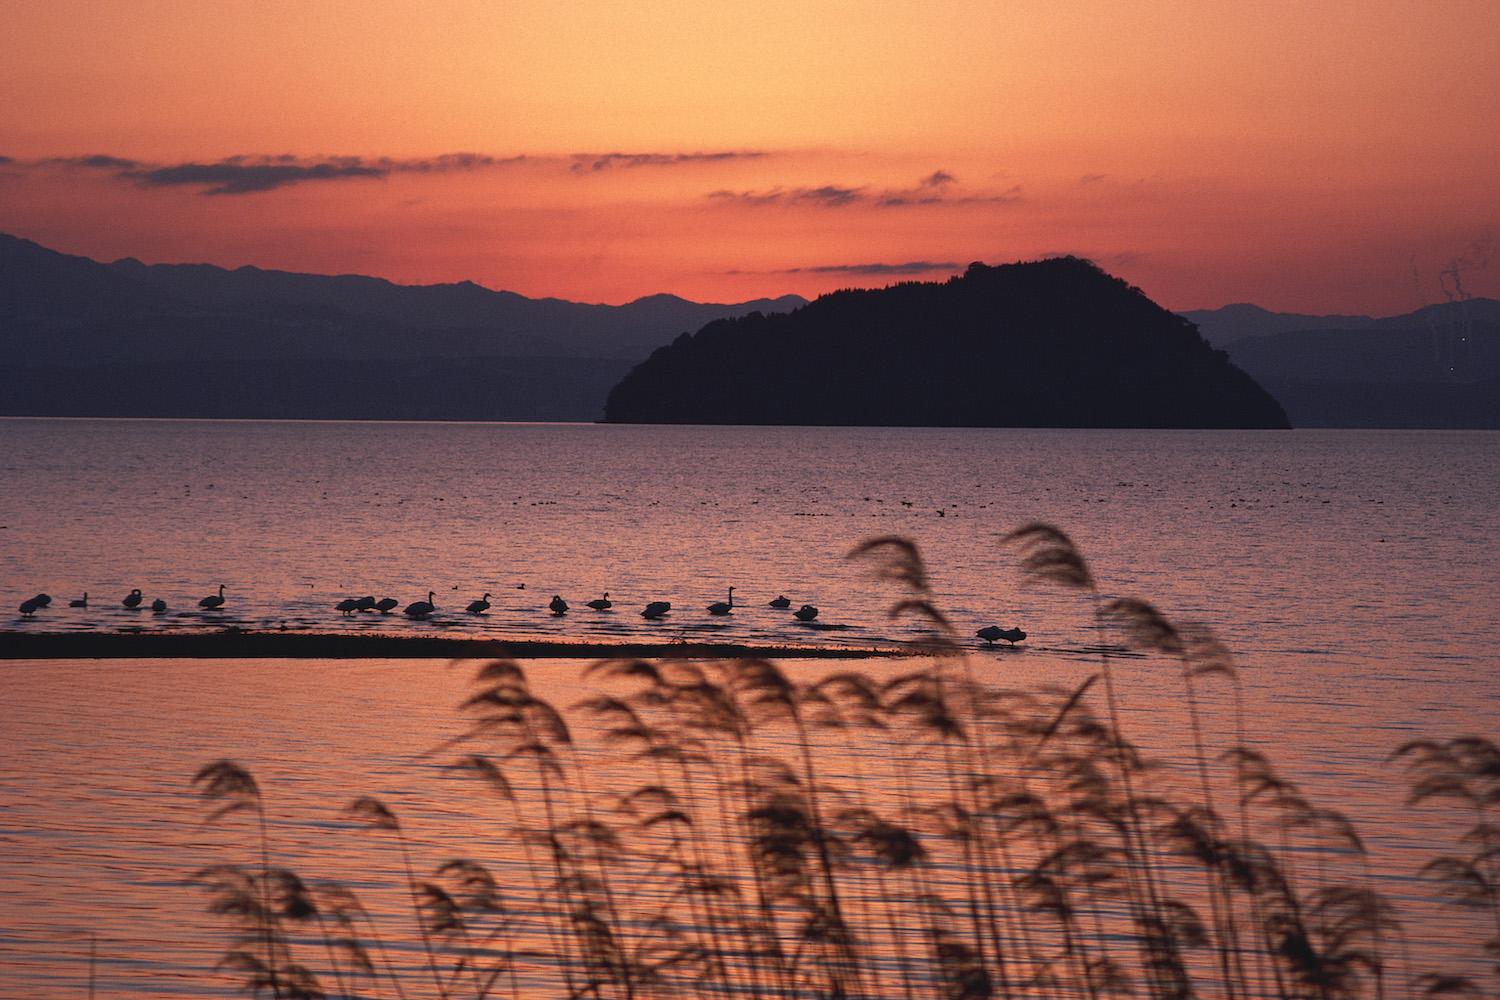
(1333, 156)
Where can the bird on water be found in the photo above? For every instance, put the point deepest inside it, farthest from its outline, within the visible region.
(992, 632)
(132, 599)
(480, 606)
(158, 605)
(602, 603)
(421, 609)
(82, 602)
(806, 613)
(722, 607)
(213, 601)
(780, 602)
(386, 605)
(347, 606)
(29, 606)
(558, 605)
(656, 609)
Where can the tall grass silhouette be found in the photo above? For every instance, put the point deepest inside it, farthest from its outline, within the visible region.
(723, 829)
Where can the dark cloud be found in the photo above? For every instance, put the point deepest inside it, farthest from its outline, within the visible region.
(910, 267)
(242, 176)
(937, 179)
(592, 162)
(828, 196)
(1092, 178)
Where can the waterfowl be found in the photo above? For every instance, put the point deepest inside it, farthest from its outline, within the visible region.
(347, 605)
(82, 602)
(213, 601)
(781, 602)
(722, 607)
(132, 599)
(365, 604)
(29, 606)
(992, 632)
(558, 605)
(158, 605)
(656, 609)
(480, 606)
(421, 609)
(386, 604)
(602, 603)
(806, 613)
(42, 600)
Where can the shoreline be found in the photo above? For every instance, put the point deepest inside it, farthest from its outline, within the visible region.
(236, 643)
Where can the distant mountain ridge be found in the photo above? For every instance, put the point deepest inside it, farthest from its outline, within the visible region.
(1049, 343)
(1436, 367)
(83, 338)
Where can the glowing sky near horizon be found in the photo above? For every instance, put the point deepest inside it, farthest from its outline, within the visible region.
(1329, 157)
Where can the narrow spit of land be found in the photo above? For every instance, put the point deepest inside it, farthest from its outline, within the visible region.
(239, 643)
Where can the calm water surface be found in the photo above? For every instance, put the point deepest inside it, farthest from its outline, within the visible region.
(1352, 573)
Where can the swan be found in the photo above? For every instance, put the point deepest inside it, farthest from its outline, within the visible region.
(82, 602)
(347, 605)
(365, 604)
(722, 607)
(656, 609)
(479, 606)
(603, 603)
(421, 609)
(386, 605)
(29, 606)
(992, 632)
(806, 613)
(158, 605)
(213, 601)
(132, 599)
(781, 602)
(42, 600)
(558, 605)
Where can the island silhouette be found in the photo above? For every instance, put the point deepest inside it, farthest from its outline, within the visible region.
(1048, 343)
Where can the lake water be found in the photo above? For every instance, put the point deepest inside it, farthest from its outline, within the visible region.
(1352, 573)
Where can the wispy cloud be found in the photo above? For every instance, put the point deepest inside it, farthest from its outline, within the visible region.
(592, 163)
(876, 269)
(937, 188)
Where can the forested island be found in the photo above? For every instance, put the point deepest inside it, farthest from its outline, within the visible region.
(1050, 343)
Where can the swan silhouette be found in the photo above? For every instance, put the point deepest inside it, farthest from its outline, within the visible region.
(158, 605)
(806, 613)
(602, 603)
(42, 600)
(722, 607)
(558, 605)
(213, 601)
(656, 609)
(386, 605)
(82, 602)
(132, 599)
(421, 609)
(29, 606)
(781, 602)
(479, 606)
(992, 632)
(365, 604)
(347, 605)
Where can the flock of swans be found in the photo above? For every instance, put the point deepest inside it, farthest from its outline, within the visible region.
(653, 611)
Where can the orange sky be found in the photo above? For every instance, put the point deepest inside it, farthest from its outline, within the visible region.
(1327, 157)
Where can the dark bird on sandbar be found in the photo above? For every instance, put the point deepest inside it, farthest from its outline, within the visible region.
(992, 632)
(602, 603)
(213, 601)
(806, 613)
(722, 607)
(480, 606)
(656, 609)
(82, 602)
(780, 602)
(558, 605)
(421, 609)
(132, 599)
